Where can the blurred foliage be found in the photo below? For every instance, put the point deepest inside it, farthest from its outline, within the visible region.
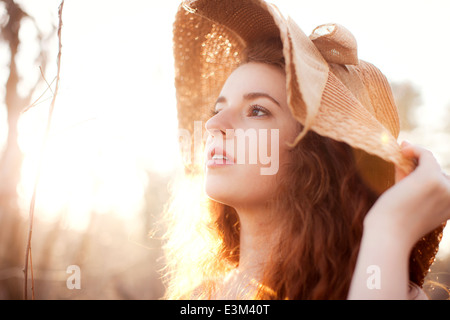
(12, 227)
(408, 99)
(116, 256)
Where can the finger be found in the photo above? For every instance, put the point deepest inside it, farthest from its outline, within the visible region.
(424, 157)
(399, 174)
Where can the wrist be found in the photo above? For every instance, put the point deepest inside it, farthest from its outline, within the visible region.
(385, 240)
(385, 228)
(382, 264)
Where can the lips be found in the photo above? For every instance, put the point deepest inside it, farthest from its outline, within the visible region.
(218, 157)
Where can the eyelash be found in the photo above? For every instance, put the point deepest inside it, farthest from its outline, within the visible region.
(259, 108)
(213, 112)
(253, 107)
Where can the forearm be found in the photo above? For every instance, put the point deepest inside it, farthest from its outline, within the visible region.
(381, 270)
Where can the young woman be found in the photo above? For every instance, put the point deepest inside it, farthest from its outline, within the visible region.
(344, 211)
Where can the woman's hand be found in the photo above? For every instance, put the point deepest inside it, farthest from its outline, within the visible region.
(417, 204)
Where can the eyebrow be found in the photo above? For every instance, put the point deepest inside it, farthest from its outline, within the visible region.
(251, 96)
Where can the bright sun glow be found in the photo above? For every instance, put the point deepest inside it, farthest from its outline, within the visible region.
(114, 121)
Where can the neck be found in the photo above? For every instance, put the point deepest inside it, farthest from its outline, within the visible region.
(258, 236)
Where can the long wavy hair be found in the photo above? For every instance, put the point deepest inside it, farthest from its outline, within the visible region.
(321, 202)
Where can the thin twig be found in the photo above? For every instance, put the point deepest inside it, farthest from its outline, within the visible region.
(48, 84)
(35, 103)
(47, 131)
(32, 275)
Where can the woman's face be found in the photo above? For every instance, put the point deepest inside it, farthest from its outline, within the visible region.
(247, 138)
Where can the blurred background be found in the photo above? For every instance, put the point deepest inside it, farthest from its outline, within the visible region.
(113, 151)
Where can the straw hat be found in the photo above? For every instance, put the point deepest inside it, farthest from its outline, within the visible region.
(329, 90)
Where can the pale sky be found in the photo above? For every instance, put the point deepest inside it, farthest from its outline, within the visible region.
(116, 113)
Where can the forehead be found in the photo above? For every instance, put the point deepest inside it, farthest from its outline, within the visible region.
(256, 77)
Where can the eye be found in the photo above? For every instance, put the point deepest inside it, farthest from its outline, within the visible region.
(258, 111)
(213, 112)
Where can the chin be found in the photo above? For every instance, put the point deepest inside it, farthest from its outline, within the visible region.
(219, 192)
(241, 194)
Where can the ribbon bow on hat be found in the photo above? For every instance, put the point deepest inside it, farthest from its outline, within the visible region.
(336, 44)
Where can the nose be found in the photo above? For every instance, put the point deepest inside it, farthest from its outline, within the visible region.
(219, 124)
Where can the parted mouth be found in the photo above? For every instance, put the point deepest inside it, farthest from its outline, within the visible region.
(244, 147)
(217, 156)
